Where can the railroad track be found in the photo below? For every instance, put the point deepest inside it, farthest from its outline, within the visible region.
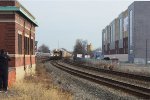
(124, 77)
(113, 72)
(138, 91)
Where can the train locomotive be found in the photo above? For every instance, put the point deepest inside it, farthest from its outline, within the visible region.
(58, 54)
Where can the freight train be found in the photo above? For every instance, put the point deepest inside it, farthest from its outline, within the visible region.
(59, 54)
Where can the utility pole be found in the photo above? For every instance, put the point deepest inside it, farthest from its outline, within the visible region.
(146, 52)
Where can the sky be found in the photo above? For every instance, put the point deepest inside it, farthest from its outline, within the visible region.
(61, 22)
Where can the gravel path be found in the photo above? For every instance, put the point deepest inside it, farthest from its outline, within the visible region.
(83, 89)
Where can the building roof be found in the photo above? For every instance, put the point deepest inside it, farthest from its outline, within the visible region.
(20, 10)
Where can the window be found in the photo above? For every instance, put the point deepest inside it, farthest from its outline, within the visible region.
(26, 45)
(105, 34)
(28, 51)
(114, 31)
(19, 44)
(104, 37)
(111, 32)
(120, 28)
(130, 14)
(31, 47)
(125, 24)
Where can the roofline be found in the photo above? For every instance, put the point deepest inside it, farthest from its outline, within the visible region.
(21, 10)
(27, 11)
(28, 16)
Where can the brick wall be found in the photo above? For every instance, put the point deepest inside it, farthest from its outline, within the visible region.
(11, 76)
(11, 24)
(9, 3)
(117, 50)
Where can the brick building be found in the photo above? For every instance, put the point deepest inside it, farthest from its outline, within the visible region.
(127, 37)
(17, 37)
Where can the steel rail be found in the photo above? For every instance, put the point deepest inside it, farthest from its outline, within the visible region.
(113, 72)
(135, 90)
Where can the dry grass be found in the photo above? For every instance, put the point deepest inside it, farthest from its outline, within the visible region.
(37, 87)
(123, 67)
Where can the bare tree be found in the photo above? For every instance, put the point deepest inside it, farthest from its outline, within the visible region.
(80, 47)
(44, 48)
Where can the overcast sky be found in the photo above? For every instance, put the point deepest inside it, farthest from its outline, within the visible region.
(68, 20)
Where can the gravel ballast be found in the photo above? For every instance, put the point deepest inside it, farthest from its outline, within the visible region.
(83, 89)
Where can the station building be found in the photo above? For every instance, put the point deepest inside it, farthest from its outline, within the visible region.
(17, 37)
(127, 37)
